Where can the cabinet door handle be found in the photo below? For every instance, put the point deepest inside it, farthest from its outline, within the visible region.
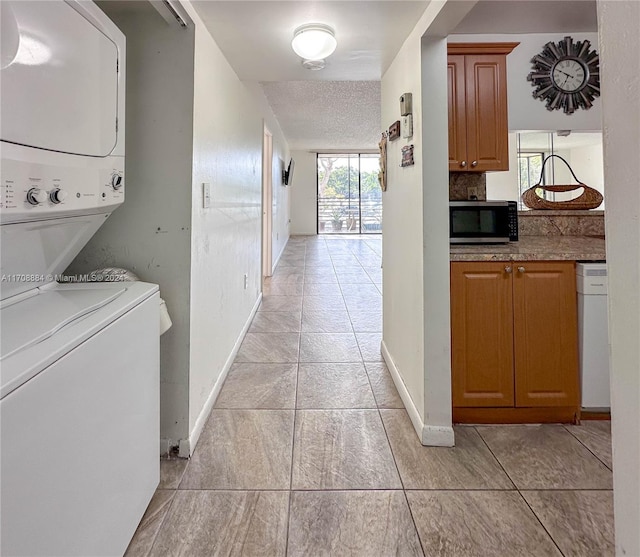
(474, 163)
(508, 269)
(521, 269)
(463, 164)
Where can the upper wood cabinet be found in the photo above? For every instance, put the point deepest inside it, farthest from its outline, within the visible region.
(478, 125)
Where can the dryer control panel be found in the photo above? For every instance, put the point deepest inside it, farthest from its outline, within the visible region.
(31, 191)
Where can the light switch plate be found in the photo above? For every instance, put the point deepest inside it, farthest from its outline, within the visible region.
(206, 195)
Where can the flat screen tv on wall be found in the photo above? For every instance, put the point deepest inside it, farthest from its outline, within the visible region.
(287, 175)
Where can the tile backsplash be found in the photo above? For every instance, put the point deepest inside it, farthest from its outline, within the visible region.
(459, 182)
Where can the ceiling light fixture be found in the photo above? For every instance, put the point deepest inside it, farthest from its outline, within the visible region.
(314, 41)
(313, 65)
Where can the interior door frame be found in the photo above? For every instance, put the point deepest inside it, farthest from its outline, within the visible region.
(267, 203)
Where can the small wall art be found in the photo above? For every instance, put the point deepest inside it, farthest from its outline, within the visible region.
(407, 156)
(382, 175)
(394, 130)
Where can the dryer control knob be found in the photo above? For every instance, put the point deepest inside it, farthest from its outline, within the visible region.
(36, 196)
(116, 181)
(57, 195)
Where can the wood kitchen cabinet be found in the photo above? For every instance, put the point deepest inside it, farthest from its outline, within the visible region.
(514, 342)
(478, 127)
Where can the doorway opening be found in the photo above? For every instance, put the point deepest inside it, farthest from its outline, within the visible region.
(349, 194)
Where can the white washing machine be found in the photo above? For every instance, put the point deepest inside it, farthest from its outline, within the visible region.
(79, 389)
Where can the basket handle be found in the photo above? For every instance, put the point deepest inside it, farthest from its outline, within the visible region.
(544, 162)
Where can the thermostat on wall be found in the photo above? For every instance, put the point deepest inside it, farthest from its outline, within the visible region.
(406, 104)
(406, 125)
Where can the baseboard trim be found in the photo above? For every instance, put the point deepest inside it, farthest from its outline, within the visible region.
(187, 446)
(275, 263)
(165, 447)
(438, 436)
(539, 415)
(435, 436)
(414, 415)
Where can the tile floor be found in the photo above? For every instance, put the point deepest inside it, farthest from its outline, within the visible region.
(309, 451)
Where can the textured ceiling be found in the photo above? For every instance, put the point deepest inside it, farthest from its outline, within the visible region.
(530, 16)
(317, 115)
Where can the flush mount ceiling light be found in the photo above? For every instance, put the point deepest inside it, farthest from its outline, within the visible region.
(314, 41)
(313, 65)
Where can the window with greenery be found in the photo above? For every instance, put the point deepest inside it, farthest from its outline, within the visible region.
(530, 167)
(349, 194)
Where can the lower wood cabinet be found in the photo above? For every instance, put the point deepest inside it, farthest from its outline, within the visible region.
(514, 342)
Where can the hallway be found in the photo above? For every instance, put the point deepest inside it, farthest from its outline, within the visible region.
(309, 451)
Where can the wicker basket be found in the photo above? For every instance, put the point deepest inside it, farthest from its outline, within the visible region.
(589, 199)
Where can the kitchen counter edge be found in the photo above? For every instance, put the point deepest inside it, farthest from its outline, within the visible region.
(534, 248)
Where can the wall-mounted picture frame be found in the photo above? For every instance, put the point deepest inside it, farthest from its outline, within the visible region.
(382, 175)
(394, 130)
(407, 156)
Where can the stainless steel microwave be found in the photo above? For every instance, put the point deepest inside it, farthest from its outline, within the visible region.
(483, 222)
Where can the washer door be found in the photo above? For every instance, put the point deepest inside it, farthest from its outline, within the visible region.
(59, 79)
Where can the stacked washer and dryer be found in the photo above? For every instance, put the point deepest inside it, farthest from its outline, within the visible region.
(79, 395)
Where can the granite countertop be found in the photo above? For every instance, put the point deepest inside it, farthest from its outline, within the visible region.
(535, 248)
(533, 213)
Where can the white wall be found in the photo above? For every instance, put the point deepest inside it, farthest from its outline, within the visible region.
(525, 112)
(504, 185)
(281, 199)
(226, 238)
(588, 163)
(618, 23)
(150, 233)
(416, 336)
(402, 263)
(229, 119)
(435, 184)
(304, 194)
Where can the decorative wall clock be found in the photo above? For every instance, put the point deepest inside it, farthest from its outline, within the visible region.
(566, 75)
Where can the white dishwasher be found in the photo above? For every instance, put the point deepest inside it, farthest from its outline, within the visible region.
(593, 332)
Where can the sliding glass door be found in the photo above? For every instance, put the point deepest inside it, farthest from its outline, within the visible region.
(349, 194)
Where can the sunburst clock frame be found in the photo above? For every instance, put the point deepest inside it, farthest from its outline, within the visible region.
(566, 75)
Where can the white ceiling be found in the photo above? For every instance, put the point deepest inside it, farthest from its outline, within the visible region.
(334, 108)
(530, 16)
(255, 36)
